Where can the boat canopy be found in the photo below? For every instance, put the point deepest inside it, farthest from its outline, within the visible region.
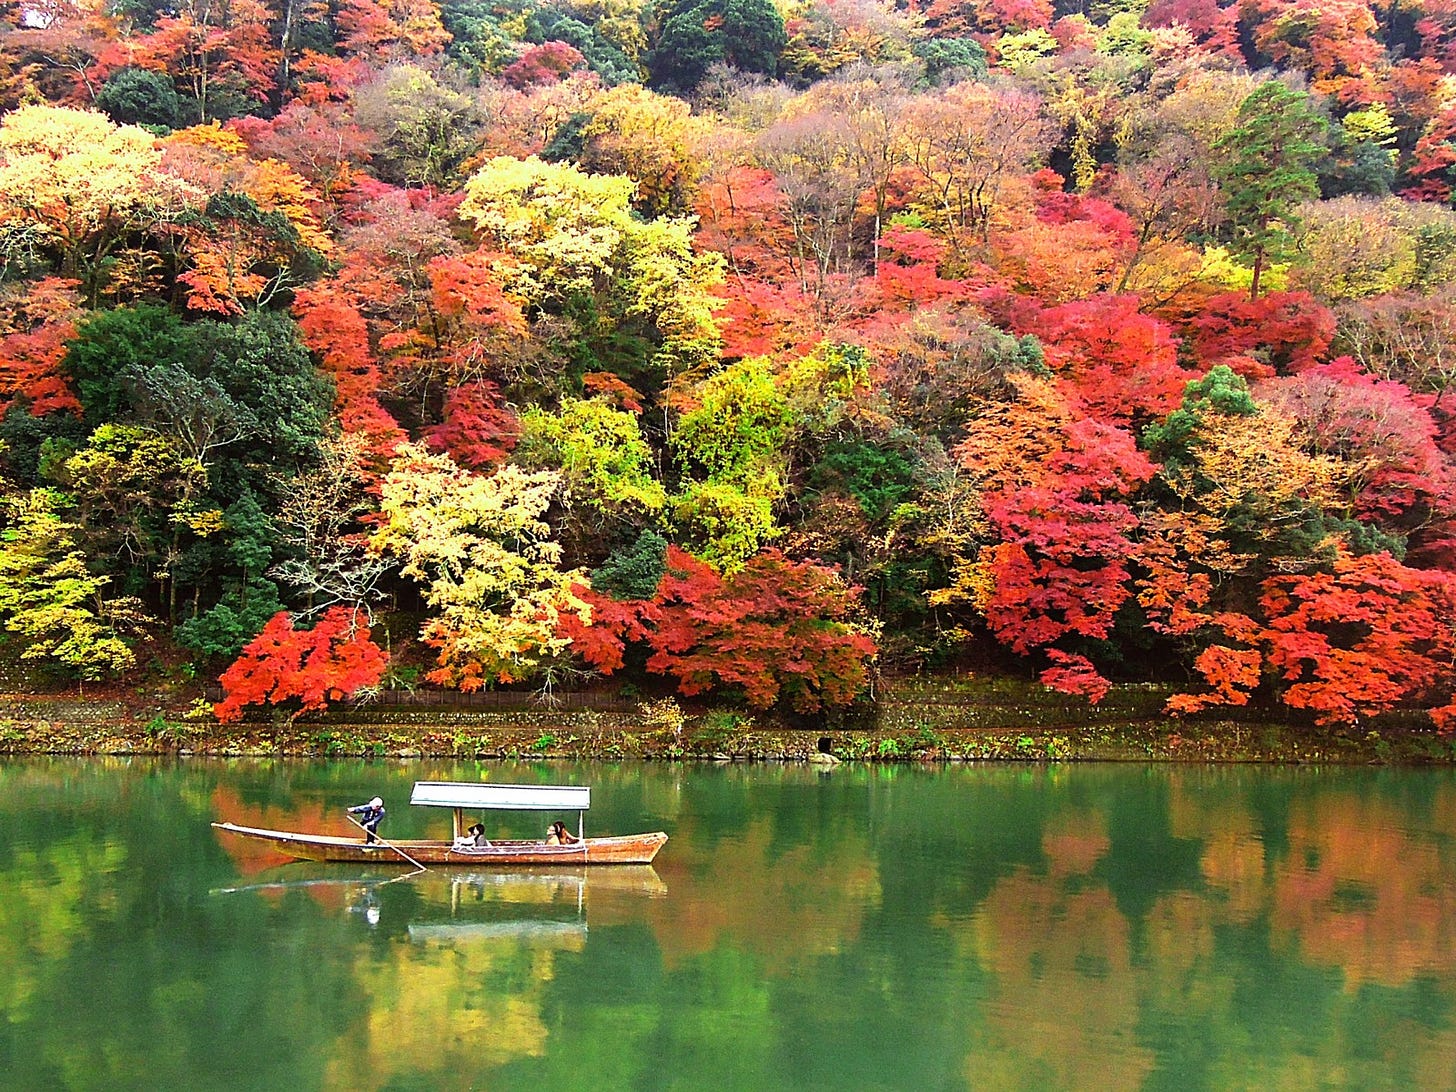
(468, 794)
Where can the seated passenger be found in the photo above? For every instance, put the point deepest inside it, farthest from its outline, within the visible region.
(473, 838)
(558, 835)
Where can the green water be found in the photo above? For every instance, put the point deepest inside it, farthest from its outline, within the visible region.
(897, 928)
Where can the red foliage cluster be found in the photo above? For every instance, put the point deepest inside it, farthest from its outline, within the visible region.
(332, 327)
(477, 431)
(1278, 334)
(545, 63)
(1399, 477)
(1122, 363)
(775, 629)
(313, 666)
(33, 344)
(1357, 640)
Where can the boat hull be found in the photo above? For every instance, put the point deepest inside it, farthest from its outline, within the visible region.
(627, 849)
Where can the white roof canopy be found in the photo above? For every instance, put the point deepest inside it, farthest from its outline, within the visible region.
(469, 794)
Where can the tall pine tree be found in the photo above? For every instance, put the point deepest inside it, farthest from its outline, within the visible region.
(1272, 152)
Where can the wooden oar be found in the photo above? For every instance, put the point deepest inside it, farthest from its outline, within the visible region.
(418, 867)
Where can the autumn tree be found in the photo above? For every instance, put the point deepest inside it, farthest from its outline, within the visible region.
(818, 189)
(485, 555)
(1405, 336)
(476, 428)
(322, 532)
(736, 443)
(220, 57)
(138, 493)
(424, 130)
(774, 631)
(1394, 475)
(1056, 488)
(580, 253)
(333, 661)
(602, 457)
(35, 324)
(652, 139)
(966, 142)
(78, 183)
(1361, 636)
(50, 598)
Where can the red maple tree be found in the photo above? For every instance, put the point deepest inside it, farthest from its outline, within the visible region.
(330, 662)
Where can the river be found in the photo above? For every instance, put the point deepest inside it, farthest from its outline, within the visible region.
(973, 926)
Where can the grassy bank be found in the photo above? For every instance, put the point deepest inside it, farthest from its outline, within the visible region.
(912, 720)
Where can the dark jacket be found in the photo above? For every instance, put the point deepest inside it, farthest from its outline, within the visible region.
(371, 815)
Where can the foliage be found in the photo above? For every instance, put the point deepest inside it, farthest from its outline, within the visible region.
(603, 459)
(48, 596)
(775, 630)
(330, 662)
(633, 572)
(490, 568)
(1354, 640)
(1097, 344)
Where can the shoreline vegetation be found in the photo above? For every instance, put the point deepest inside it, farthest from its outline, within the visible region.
(742, 351)
(914, 720)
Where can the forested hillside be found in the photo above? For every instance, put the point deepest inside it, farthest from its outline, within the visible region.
(749, 347)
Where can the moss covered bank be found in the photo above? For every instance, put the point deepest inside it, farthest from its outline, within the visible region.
(913, 720)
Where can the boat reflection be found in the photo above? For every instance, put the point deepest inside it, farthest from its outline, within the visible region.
(549, 906)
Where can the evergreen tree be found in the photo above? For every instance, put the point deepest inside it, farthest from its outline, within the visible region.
(1270, 169)
(696, 34)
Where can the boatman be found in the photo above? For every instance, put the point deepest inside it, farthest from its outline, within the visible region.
(372, 812)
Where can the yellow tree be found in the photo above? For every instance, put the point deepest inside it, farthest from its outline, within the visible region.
(485, 555)
(50, 598)
(580, 253)
(653, 139)
(76, 184)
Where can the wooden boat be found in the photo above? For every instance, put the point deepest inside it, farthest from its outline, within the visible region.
(459, 796)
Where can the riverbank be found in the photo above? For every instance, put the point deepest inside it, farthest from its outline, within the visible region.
(913, 720)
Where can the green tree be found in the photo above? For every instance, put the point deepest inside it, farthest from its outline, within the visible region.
(696, 34)
(733, 449)
(635, 571)
(139, 96)
(260, 364)
(605, 463)
(1270, 168)
(115, 347)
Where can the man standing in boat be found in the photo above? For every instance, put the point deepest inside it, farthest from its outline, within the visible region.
(372, 812)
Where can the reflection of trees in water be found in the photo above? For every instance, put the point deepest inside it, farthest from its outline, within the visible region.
(1259, 975)
(784, 903)
(445, 1012)
(1002, 926)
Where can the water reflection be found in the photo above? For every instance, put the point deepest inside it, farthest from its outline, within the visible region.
(1000, 927)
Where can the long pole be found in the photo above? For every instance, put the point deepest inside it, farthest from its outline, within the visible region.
(418, 867)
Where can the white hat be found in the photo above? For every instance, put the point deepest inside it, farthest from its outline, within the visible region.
(376, 803)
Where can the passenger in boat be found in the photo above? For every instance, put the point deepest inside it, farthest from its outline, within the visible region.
(473, 838)
(558, 835)
(372, 813)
